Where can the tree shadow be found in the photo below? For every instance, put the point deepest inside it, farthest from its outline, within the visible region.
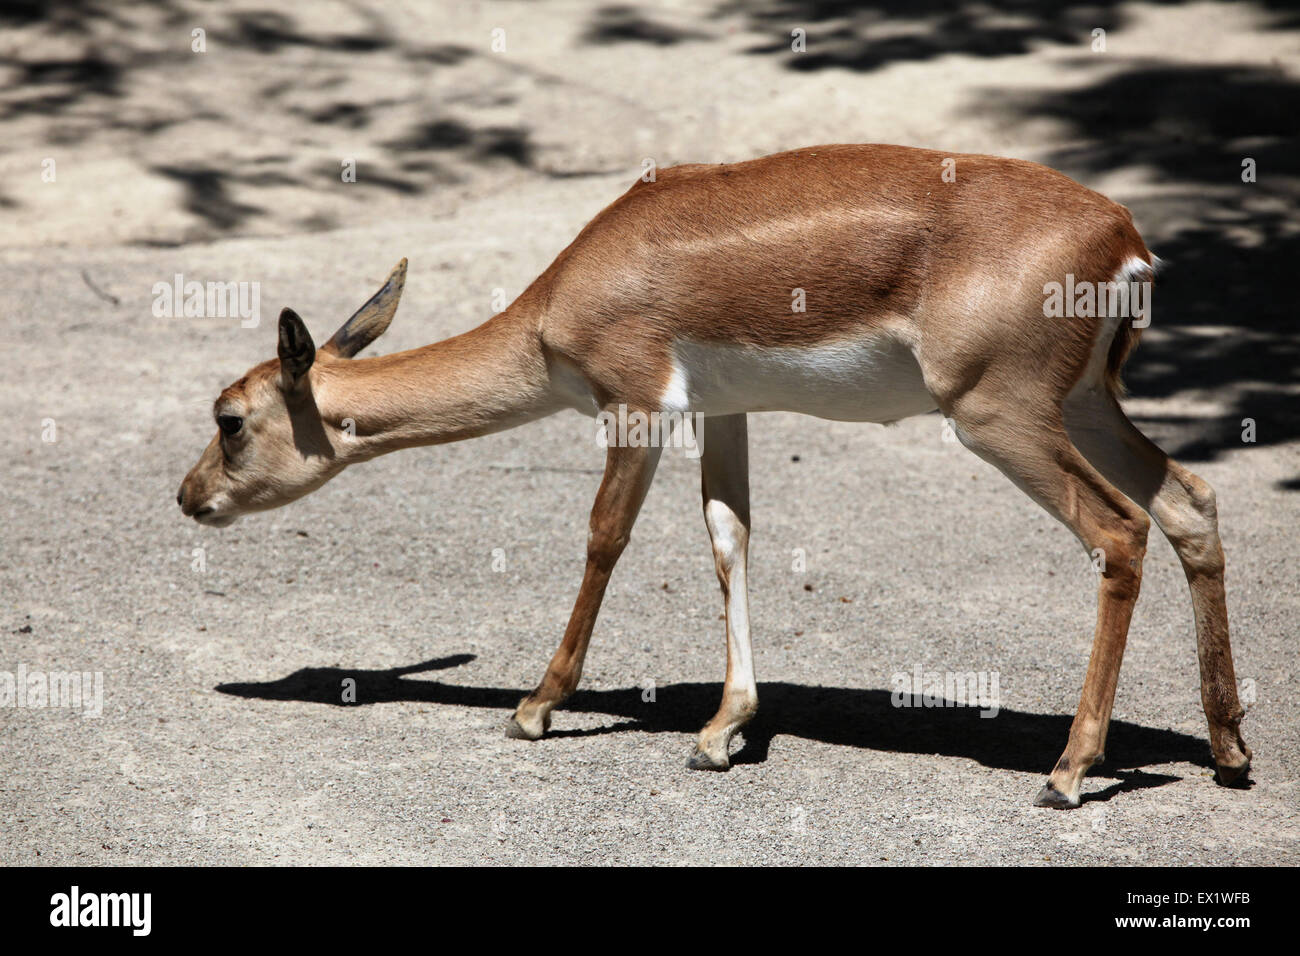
(49, 86)
(875, 34)
(207, 195)
(871, 35)
(79, 73)
(482, 143)
(840, 716)
(626, 24)
(269, 31)
(44, 87)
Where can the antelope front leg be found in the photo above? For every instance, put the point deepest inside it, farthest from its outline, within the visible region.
(724, 470)
(628, 473)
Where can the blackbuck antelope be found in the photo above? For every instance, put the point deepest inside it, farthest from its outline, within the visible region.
(919, 293)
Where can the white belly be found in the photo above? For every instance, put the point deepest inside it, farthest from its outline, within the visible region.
(868, 380)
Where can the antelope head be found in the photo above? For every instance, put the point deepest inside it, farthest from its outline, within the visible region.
(276, 437)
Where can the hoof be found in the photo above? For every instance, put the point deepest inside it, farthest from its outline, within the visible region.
(1237, 776)
(700, 760)
(1049, 796)
(517, 731)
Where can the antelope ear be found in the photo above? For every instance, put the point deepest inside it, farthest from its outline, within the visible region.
(371, 320)
(297, 351)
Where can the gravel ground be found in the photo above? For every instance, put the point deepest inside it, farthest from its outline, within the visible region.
(222, 738)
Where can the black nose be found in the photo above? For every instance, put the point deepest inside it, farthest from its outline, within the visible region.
(180, 497)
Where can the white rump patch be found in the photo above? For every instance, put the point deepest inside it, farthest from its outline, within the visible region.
(676, 397)
(1133, 270)
(1136, 270)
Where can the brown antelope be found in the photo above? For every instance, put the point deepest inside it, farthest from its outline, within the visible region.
(920, 294)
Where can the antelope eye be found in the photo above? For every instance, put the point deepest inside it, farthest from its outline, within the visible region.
(229, 424)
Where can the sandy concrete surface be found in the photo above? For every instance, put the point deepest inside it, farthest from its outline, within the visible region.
(440, 579)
